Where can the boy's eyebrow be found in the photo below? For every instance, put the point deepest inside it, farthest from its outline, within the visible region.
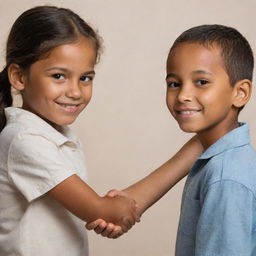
(171, 75)
(91, 72)
(202, 72)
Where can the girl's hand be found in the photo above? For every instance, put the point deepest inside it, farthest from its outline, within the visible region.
(125, 214)
(108, 229)
(105, 229)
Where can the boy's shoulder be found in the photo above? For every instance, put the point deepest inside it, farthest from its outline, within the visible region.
(235, 161)
(239, 165)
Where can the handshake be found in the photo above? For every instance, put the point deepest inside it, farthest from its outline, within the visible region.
(126, 215)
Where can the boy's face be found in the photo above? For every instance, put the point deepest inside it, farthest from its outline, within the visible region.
(199, 94)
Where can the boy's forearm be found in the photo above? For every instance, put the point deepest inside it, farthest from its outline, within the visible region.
(150, 189)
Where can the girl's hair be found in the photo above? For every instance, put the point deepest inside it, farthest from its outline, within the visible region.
(36, 32)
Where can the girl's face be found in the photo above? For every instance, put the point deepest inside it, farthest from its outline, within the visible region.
(57, 88)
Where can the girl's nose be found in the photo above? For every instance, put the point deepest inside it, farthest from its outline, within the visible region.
(73, 90)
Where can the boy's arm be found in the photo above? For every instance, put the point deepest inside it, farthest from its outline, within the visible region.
(151, 188)
(77, 197)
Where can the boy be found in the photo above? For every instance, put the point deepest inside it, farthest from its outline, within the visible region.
(209, 74)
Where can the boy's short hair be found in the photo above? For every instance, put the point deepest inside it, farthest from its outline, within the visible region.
(236, 52)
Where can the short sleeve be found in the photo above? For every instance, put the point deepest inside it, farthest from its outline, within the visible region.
(226, 220)
(36, 165)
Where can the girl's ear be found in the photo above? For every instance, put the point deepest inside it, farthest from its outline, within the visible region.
(16, 76)
(242, 93)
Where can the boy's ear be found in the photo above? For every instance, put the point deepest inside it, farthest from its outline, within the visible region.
(16, 76)
(242, 93)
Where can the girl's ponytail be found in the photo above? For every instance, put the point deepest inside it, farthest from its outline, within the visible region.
(5, 96)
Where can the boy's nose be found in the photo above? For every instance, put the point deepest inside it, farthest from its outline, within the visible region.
(73, 90)
(185, 94)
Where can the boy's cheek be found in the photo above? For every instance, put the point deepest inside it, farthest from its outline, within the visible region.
(169, 105)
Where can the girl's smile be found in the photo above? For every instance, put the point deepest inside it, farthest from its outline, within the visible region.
(59, 86)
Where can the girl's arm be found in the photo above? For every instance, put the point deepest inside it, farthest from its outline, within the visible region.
(151, 188)
(77, 197)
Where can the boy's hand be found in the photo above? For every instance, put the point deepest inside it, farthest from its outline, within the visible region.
(108, 229)
(115, 192)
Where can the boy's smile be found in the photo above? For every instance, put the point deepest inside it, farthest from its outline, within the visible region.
(199, 94)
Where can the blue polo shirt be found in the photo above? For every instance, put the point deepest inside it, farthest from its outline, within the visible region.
(218, 211)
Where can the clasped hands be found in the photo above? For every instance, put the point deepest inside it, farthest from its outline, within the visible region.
(115, 230)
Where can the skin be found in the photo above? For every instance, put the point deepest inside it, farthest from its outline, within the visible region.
(150, 189)
(202, 100)
(57, 88)
(199, 94)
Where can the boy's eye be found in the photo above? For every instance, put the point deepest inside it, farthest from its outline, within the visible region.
(173, 84)
(58, 76)
(201, 82)
(86, 78)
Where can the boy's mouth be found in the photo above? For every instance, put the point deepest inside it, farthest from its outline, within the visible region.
(187, 112)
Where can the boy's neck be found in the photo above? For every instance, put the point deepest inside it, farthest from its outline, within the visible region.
(209, 137)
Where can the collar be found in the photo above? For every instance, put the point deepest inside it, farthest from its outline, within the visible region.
(33, 124)
(235, 138)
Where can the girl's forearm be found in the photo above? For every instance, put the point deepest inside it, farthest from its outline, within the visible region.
(77, 197)
(151, 188)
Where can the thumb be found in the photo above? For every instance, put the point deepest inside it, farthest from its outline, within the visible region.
(113, 193)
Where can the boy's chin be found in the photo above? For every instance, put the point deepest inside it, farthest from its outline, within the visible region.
(188, 129)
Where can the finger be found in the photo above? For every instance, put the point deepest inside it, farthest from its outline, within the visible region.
(136, 214)
(93, 224)
(124, 228)
(131, 220)
(101, 227)
(126, 225)
(112, 193)
(136, 217)
(108, 230)
(117, 232)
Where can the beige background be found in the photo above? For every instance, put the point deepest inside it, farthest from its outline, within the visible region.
(127, 130)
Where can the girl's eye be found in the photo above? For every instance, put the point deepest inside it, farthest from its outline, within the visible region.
(86, 78)
(201, 82)
(173, 84)
(58, 76)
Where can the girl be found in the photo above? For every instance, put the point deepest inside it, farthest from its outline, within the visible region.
(44, 198)
(42, 172)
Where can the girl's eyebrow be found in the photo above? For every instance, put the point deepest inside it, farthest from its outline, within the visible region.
(91, 72)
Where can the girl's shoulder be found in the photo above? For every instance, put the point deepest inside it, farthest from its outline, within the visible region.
(24, 124)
